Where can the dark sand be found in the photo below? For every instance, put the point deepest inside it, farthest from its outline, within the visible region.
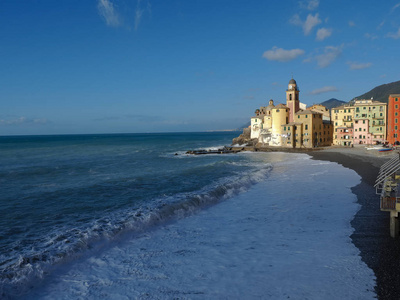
(371, 236)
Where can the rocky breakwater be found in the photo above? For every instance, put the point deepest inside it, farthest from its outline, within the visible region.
(244, 138)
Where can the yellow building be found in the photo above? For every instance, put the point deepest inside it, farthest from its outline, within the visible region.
(280, 115)
(321, 109)
(289, 125)
(308, 131)
(342, 119)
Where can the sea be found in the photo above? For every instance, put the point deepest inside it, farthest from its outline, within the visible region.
(132, 216)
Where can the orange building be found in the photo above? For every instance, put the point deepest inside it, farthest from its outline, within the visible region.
(393, 128)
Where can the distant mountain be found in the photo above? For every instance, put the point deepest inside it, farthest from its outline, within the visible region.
(381, 93)
(331, 103)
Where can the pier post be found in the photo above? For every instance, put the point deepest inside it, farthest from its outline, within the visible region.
(394, 224)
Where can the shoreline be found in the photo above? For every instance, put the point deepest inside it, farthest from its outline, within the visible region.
(371, 226)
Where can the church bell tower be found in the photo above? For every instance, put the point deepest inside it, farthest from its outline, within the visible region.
(292, 99)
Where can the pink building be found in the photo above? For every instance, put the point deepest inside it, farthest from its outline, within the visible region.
(361, 132)
(345, 135)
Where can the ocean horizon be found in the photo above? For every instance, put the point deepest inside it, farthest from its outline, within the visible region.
(134, 216)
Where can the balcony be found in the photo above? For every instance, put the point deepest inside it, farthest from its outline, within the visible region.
(388, 203)
(348, 120)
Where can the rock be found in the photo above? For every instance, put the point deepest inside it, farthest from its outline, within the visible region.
(244, 138)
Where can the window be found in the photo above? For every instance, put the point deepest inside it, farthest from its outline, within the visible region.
(396, 99)
(306, 127)
(306, 116)
(284, 128)
(395, 127)
(363, 121)
(396, 106)
(298, 117)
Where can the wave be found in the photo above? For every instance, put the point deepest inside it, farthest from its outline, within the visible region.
(64, 244)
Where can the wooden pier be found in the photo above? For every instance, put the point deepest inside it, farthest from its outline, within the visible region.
(387, 185)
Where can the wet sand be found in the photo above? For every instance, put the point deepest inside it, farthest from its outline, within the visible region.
(378, 250)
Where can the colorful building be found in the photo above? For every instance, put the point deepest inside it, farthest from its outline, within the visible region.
(291, 126)
(393, 119)
(364, 122)
(308, 131)
(342, 119)
(372, 113)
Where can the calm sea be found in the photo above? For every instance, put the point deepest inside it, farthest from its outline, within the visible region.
(62, 195)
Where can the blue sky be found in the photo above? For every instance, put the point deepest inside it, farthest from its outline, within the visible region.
(122, 66)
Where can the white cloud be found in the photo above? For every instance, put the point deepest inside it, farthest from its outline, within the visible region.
(324, 89)
(22, 120)
(394, 35)
(313, 4)
(352, 24)
(329, 56)
(359, 66)
(308, 24)
(310, 4)
(370, 36)
(139, 12)
(108, 12)
(323, 33)
(282, 55)
(395, 7)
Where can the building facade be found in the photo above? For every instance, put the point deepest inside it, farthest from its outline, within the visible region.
(393, 119)
(364, 122)
(289, 125)
(342, 119)
(372, 113)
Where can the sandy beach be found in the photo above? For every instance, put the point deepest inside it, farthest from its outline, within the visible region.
(378, 250)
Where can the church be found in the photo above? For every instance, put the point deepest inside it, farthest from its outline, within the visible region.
(292, 125)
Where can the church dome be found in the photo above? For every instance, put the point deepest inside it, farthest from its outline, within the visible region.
(292, 81)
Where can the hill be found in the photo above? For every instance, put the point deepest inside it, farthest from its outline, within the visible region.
(331, 103)
(381, 93)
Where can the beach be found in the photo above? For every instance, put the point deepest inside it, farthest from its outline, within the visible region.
(279, 239)
(378, 250)
(134, 216)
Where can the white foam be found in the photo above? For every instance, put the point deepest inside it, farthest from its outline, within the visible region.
(288, 237)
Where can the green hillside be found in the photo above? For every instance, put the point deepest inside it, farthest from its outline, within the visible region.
(381, 93)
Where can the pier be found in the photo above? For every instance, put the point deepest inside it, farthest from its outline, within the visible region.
(387, 186)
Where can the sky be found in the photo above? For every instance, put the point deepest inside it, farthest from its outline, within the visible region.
(131, 66)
